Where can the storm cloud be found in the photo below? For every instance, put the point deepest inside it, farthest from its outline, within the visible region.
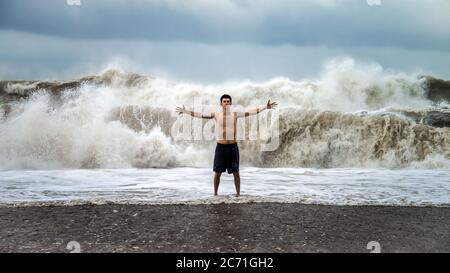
(213, 40)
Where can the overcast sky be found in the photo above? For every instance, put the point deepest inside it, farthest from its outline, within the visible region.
(217, 40)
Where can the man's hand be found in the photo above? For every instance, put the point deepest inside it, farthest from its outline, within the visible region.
(181, 110)
(271, 105)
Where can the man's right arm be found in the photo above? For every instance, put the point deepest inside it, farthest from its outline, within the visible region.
(194, 114)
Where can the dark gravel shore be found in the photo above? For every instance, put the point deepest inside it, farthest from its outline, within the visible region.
(250, 227)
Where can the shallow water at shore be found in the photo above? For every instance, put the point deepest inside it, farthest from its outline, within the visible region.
(336, 186)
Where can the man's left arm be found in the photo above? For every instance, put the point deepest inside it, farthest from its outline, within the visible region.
(258, 109)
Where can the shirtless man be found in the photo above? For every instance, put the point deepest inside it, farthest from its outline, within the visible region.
(227, 153)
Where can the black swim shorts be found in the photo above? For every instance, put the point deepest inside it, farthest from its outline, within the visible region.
(226, 158)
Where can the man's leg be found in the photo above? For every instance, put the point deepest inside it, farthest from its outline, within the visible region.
(237, 183)
(216, 182)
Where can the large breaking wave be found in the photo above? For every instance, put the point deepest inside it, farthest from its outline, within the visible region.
(350, 116)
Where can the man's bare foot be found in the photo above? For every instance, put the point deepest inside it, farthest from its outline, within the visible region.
(237, 195)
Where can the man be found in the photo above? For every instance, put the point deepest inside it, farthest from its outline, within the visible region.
(227, 153)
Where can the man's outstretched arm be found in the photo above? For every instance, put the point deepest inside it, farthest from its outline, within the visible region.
(258, 110)
(194, 114)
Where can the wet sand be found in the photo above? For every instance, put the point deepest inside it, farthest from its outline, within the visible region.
(249, 227)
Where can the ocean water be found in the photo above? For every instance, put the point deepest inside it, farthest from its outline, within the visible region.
(354, 135)
(332, 186)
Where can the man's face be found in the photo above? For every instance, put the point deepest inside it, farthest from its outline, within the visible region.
(226, 102)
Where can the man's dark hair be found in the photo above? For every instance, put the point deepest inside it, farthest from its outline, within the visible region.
(225, 96)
